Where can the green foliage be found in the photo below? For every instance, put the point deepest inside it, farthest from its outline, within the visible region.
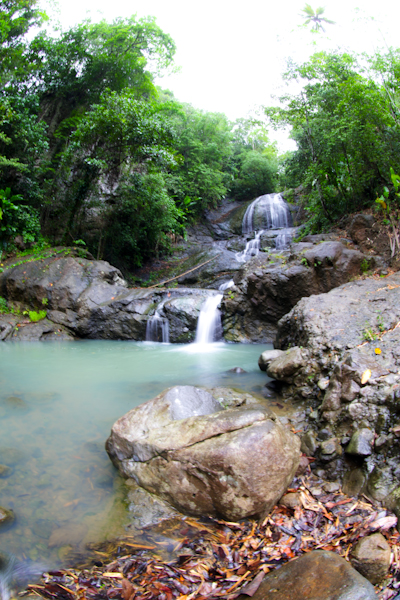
(365, 265)
(3, 305)
(314, 16)
(36, 316)
(16, 219)
(346, 130)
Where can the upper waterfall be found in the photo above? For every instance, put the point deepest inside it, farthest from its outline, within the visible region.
(266, 212)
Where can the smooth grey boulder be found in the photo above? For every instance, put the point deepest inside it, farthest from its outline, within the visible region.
(286, 365)
(219, 454)
(267, 357)
(317, 575)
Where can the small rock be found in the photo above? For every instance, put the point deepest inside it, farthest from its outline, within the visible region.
(290, 500)
(360, 443)
(353, 482)
(303, 464)
(237, 370)
(6, 516)
(330, 449)
(5, 471)
(371, 557)
(267, 357)
(323, 384)
(331, 487)
(309, 443)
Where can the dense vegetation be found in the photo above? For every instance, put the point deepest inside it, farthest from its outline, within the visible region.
(91, 150)
(345, 121)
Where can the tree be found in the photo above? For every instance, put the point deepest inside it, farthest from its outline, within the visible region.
(315, 18)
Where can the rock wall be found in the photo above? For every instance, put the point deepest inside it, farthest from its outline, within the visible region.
(344, 348)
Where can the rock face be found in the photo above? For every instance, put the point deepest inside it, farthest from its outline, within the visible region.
(270, 285)
(219, 454)
(318, 575)
(90, 299)
(351, 339)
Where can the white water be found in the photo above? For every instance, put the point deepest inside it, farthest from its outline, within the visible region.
(272, 213)
(209, 328)
(252, 248)
(226, 285)
(157, 328)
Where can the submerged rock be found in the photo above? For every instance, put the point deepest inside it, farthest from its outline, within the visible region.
(204, 455)
(6, 516)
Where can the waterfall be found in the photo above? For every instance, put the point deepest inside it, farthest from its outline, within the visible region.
(266, 212)
(157, 328)
(209, 328)
(226, 285)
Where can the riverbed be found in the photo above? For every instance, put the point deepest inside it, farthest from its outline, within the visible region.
(58, 402)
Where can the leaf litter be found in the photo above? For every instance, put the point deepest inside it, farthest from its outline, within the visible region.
(213, 559)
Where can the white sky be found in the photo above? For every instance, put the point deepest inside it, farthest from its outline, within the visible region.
(231, 54)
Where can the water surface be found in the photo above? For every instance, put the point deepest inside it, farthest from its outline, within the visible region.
(58, 402)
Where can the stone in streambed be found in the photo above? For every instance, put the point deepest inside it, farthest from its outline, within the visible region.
(6, 516)
(318, 575)
(371, 557)
(286, 365)
(361, 442)
(224, 458)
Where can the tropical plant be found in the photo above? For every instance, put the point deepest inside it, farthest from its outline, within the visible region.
(314, 16)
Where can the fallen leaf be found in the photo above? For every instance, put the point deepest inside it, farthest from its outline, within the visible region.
(365, 376)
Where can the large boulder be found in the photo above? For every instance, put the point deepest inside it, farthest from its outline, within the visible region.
(270, 285)
(219, 454)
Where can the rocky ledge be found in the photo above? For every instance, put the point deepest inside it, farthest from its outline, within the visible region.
(86, 298)
(340, 358)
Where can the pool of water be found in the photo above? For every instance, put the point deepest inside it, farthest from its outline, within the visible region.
(58, 402)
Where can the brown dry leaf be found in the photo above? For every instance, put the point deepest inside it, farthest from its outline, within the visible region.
(251, 588)
(127, 589)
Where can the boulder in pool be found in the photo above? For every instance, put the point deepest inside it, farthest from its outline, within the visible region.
(217, 453)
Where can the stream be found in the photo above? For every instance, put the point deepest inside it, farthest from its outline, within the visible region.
(58, 402)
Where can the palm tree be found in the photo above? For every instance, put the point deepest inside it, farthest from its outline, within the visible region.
(315, 17)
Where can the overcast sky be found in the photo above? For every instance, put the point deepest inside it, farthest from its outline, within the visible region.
(231, 54)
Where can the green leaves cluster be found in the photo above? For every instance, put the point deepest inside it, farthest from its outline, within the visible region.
(346, 127)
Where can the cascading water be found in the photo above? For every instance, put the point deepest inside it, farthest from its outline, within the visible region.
(209, 328)
(226, 285)
(266, 212)
(157, 328)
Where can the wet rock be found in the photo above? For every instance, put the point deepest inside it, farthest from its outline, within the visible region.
(237, 370)
(270, 285)
(68, 535)
(11, 456)
(5, 471)
(6, 516)
(290, 500)
(286, 365)
(381, 483)
(267, 357)
(330, 449)
(371, 557)
(361, 443)
(309, 443)
(202, 458)
(318, 575)
(147, 509)
(353, 482)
